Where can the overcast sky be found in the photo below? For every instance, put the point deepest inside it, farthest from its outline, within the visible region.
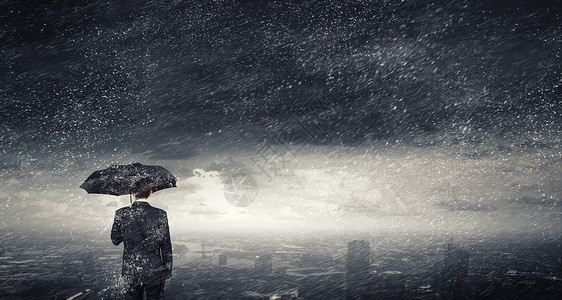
(348, 115)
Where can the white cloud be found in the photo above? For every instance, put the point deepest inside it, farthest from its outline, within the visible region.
(288, 212)
(331, 189)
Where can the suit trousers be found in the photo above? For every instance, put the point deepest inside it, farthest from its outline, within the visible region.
(153, 291)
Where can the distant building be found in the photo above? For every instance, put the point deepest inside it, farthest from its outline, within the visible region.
(264, 264)
(559, 217)
(88, 266)
(315, 283)
(357, 278)
(455, 283)
(222, 260)
(89, 271)
(358, 257)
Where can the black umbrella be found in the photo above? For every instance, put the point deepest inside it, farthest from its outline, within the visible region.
(119, 179)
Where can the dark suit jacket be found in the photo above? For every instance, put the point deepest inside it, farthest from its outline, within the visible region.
(147, 253)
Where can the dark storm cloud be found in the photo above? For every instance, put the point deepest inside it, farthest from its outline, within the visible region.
(86, 75)
(464, 205)
(540, 201)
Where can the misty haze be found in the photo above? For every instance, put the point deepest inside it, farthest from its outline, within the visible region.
(322, 149)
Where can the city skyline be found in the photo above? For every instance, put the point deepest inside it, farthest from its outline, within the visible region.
(260, 267)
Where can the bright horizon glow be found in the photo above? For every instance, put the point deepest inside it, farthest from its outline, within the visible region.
(328, 190)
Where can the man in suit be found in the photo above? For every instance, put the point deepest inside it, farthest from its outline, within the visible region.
(147, 253)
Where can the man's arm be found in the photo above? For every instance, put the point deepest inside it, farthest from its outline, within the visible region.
(166, 248)
(116, 235)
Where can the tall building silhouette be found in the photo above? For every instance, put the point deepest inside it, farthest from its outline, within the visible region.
(559, 217)
(88, 265)
(222, 260)
(89, 271)
(357, 277)
(455, 283)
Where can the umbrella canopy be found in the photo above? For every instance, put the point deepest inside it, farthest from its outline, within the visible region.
(119, 179)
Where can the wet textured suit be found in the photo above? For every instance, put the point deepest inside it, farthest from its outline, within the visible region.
(147, 254)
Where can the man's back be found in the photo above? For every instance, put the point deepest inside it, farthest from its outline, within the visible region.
(144, 231)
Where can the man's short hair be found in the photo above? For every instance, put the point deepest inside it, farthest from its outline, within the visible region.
(142, 189)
